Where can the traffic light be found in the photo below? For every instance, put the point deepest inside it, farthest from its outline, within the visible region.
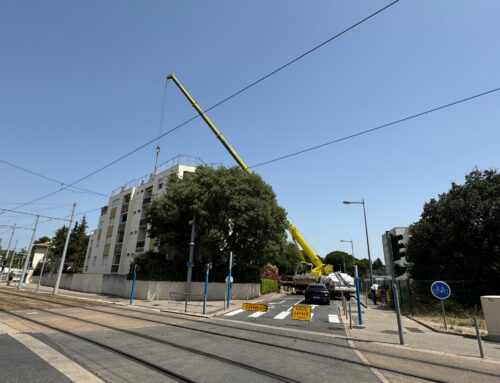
(398, 250)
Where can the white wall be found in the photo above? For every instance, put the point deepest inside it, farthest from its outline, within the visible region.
(118, 285)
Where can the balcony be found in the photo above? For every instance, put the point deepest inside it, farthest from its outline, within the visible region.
(121, 226)
(118, 248)
(124, 207)
(104, 210)
(114, 268)
(140, 245)
(146, 200)
(143, 222)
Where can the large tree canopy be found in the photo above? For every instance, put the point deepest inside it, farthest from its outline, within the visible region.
(233, 211)
(458, 237)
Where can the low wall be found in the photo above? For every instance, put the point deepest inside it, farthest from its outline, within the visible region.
(118, 285)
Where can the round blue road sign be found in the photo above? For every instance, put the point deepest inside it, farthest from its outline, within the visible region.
(440, 290)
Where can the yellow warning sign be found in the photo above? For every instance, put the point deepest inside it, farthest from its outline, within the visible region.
(254, 307)
(301, 313)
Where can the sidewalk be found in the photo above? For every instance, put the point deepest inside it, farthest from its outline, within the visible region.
(381, 326)
(193, 308)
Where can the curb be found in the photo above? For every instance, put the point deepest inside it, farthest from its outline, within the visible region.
(432, 328)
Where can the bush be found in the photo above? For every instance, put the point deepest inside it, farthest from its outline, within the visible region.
(268, 286)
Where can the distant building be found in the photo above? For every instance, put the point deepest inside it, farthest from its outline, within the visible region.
(387, 246)
(39, 251)
(122, 230)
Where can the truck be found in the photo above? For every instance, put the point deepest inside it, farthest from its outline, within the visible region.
(339, 284)
(309, 271)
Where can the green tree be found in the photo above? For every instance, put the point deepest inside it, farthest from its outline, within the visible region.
(338, 259)
(43, 239)
(363, 267)
(378, 267)
(234, 211)
(458, 238)
(77, 248)
(288, 258)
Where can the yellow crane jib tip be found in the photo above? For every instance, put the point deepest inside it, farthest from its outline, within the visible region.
(171, 76)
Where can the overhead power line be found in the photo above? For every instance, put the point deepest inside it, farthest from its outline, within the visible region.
(360, 133)
(237, 93)
(49, 178)
(34, 215)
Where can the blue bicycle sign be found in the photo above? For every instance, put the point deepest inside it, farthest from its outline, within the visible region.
(440, 290)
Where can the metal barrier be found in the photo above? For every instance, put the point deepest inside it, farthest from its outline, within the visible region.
(191, 302)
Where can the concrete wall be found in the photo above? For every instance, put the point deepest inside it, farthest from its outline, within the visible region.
(118, 285)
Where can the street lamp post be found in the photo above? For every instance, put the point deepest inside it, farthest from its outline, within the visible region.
(352, 248)
(362, 202)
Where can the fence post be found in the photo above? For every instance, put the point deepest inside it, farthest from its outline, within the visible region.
(408, 284)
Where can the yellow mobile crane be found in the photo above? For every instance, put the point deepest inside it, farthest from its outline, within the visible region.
(307, 273)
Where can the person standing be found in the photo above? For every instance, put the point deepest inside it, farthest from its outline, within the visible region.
(374, 289)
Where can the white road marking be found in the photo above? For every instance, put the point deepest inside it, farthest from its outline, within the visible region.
(235, 312)
(281, 302)
(282, 315)
(313, 307)
(332, 318)
(257, 314)
(64, 365)
(290, 308)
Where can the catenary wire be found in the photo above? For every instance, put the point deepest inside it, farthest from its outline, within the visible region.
(50, 178)
(360, 133)
(251, 85)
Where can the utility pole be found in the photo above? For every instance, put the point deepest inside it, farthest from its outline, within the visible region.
(190, 262)
(27, 261)
(12, 258)
(8, 249)
(368, 243)
(63, 257)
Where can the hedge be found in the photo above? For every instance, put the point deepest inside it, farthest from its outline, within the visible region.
(268, 286)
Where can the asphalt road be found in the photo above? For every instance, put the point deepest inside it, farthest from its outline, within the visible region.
(325, 318)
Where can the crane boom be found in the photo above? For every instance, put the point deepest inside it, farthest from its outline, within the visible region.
(319, 267)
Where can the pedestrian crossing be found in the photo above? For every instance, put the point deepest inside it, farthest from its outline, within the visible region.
(332, 318)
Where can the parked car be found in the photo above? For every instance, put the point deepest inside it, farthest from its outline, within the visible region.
(317, 292)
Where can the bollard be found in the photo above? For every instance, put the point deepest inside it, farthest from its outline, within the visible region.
(478, 335)
(350, 316)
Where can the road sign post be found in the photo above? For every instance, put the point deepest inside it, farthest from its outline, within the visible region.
(205, 291)
(132, 291)
(441, 291)
(356, 280)
(229, 279)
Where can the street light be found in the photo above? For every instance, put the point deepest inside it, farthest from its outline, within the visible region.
(352, 248)
(362, 202)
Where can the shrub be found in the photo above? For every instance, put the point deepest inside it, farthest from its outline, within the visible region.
(268, 286)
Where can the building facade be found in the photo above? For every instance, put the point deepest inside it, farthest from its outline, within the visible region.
(386, 243)
(122, 229)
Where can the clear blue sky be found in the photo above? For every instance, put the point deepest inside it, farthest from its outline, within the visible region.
(81, 83)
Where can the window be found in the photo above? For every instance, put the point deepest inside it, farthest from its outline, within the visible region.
(109, 232)
(113, 213)
(106, 250)
(104, 261)
(99, 234)
(93, 261)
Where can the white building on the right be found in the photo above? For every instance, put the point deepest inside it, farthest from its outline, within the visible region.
(386, 243)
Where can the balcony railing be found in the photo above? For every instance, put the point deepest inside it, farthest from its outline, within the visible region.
(104, 210)
(140, 245)
(121, 226)
(143, 222)
(146, 200)
(124, 207)
(118, 247)
(114, 268)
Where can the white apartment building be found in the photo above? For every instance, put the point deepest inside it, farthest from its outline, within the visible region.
(122, 230)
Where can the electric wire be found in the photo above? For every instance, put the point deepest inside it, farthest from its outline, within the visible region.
(360, 133)
(35, 215)
(50, 178)
(251, 85)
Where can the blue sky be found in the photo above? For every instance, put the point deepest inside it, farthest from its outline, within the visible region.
(82, 83)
